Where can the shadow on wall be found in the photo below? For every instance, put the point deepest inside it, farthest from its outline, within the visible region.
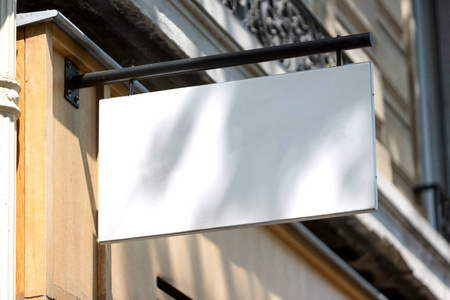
(74, 189)
(236, 264)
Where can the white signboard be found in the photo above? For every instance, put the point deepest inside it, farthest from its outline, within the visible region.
(259, 151)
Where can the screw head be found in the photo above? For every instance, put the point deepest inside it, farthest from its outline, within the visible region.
(77, 100)
(69, 93)
(69, 64)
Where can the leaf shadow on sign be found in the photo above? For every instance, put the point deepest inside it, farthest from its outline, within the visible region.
(241, 156)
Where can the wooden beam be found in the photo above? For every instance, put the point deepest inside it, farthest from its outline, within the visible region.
(37, 144)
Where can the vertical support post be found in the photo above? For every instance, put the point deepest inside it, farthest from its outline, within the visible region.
(339, 56)
(131, 87)
(9, 113)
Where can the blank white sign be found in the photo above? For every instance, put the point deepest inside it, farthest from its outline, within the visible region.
(259, 151)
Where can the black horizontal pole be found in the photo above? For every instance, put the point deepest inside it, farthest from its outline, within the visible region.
(189, 65)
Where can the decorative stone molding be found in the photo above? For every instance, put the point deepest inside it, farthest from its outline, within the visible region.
(282, 22)
(9, 96)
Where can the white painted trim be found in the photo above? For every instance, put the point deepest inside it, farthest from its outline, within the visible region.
(9, 112)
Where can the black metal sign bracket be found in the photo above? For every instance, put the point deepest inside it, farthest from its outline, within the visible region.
(338, 44)
(70, 93)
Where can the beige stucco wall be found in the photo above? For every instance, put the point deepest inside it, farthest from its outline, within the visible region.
(249, 263)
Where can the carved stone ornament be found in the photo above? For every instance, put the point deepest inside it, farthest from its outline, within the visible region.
(9, 96)
(278, 22)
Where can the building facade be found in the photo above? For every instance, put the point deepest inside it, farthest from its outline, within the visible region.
(400, 252)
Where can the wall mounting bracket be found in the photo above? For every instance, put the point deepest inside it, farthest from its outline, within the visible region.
(70, 93)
